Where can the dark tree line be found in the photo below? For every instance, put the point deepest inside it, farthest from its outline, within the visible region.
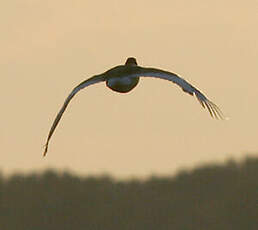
(214, 197)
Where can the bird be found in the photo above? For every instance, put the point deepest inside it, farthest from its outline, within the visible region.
(124, 78)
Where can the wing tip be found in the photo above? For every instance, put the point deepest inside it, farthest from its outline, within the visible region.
(45, 150)
(215, 111)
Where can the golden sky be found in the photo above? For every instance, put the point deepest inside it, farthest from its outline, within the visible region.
(48, 47)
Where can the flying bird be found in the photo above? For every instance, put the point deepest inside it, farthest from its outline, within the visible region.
(124, 78)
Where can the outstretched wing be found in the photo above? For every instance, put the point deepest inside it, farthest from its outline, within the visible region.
(90, 81)
(213, 109)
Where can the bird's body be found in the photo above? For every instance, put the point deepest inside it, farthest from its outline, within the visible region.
(124, 78)
(120, 84)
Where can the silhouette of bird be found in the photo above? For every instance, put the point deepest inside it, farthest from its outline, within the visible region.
(124, 78)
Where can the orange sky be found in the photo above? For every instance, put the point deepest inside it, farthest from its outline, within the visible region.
(48, 47)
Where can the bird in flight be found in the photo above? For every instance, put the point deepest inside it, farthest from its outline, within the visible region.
(124, 78)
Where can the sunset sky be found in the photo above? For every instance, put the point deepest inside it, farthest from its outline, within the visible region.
(49, 47)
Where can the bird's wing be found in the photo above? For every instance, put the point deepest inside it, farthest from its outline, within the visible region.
(90, 81)
(213, 109)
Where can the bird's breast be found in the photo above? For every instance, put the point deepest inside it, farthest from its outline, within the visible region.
(122, 84)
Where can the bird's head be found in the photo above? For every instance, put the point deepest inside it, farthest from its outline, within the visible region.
(131, 61)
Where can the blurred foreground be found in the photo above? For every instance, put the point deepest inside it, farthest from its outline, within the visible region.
(214, 197)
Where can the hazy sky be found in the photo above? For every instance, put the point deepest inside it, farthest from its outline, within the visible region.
(48, 47)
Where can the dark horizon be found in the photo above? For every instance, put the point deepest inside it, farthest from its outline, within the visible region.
(218, 197)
